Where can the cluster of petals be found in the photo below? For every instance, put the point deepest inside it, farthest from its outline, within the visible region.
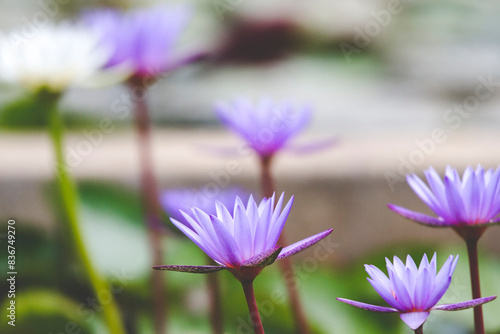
(471, 200)
(142, 39)
(266, 126)
(246, 237)
(176, 200)
(413, 291)
(54, 57)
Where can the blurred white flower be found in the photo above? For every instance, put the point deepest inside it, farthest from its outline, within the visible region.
(55, 58)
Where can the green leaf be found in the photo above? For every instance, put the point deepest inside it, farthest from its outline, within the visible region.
(28, 112)
(46, 311)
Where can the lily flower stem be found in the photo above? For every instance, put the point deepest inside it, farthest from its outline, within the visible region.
(420, 330)
(151, 207)
(286, 267)
(69, 197)
(215, 300)
(252, 307)
(476, 287)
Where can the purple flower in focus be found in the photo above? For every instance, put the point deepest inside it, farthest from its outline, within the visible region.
(413, 292)
(266, 126)
(175, 200)
(471, 201)
(242, 241)
(142, 39)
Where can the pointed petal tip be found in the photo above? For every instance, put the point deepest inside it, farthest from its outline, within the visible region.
(303, 244)
(419, 217)
(368, 307)
(464, 305)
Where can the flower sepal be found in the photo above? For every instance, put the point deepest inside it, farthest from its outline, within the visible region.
(190, 269)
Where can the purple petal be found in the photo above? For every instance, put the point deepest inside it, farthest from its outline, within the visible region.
(382, 285)
(191, 269)
(264, 227)
(419, 217)
(442, 282)
(378, 276)
(277, 227)
(455, 202)
(303, 244)
(400, 289)
(422, 288)
(264, 259)
(202, 243)
(423, 191)
(242, 232)
(464, 305)
(472, 197)
(386, 294)
(437, 187)
(229, 248)
(414, 319)
(368, 307)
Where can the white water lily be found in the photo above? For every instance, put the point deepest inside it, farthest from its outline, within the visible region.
(56, 57)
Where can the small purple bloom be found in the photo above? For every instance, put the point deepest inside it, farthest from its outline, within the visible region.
(473, 200)
(266, 126)
(243, 241)
(174, 200)
(142, 39)
(413, 292)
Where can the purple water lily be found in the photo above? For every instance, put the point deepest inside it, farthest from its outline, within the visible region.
(414, 292)
(266, 126)
(468, 205)
(243, 241)
(473, 200)
(175, 200)
(142, 39)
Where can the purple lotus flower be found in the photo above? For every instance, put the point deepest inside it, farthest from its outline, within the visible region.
(242, 241)
(472, 201)
(413, 292)
(142, 39)
(267, 126)
(182, 199)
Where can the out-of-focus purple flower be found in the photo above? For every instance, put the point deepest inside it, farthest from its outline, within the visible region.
(266, 126)
(471, 201)
(175, 200)
(413, 292)
(242, 241)
(142, 39)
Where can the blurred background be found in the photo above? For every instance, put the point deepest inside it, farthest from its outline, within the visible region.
(402, 85)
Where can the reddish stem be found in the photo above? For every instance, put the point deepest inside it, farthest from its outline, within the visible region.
(471, 236)
(151, 206)
(476, 287)
(252, 307)
(267, 182)
(286, 267)
(420, 330)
